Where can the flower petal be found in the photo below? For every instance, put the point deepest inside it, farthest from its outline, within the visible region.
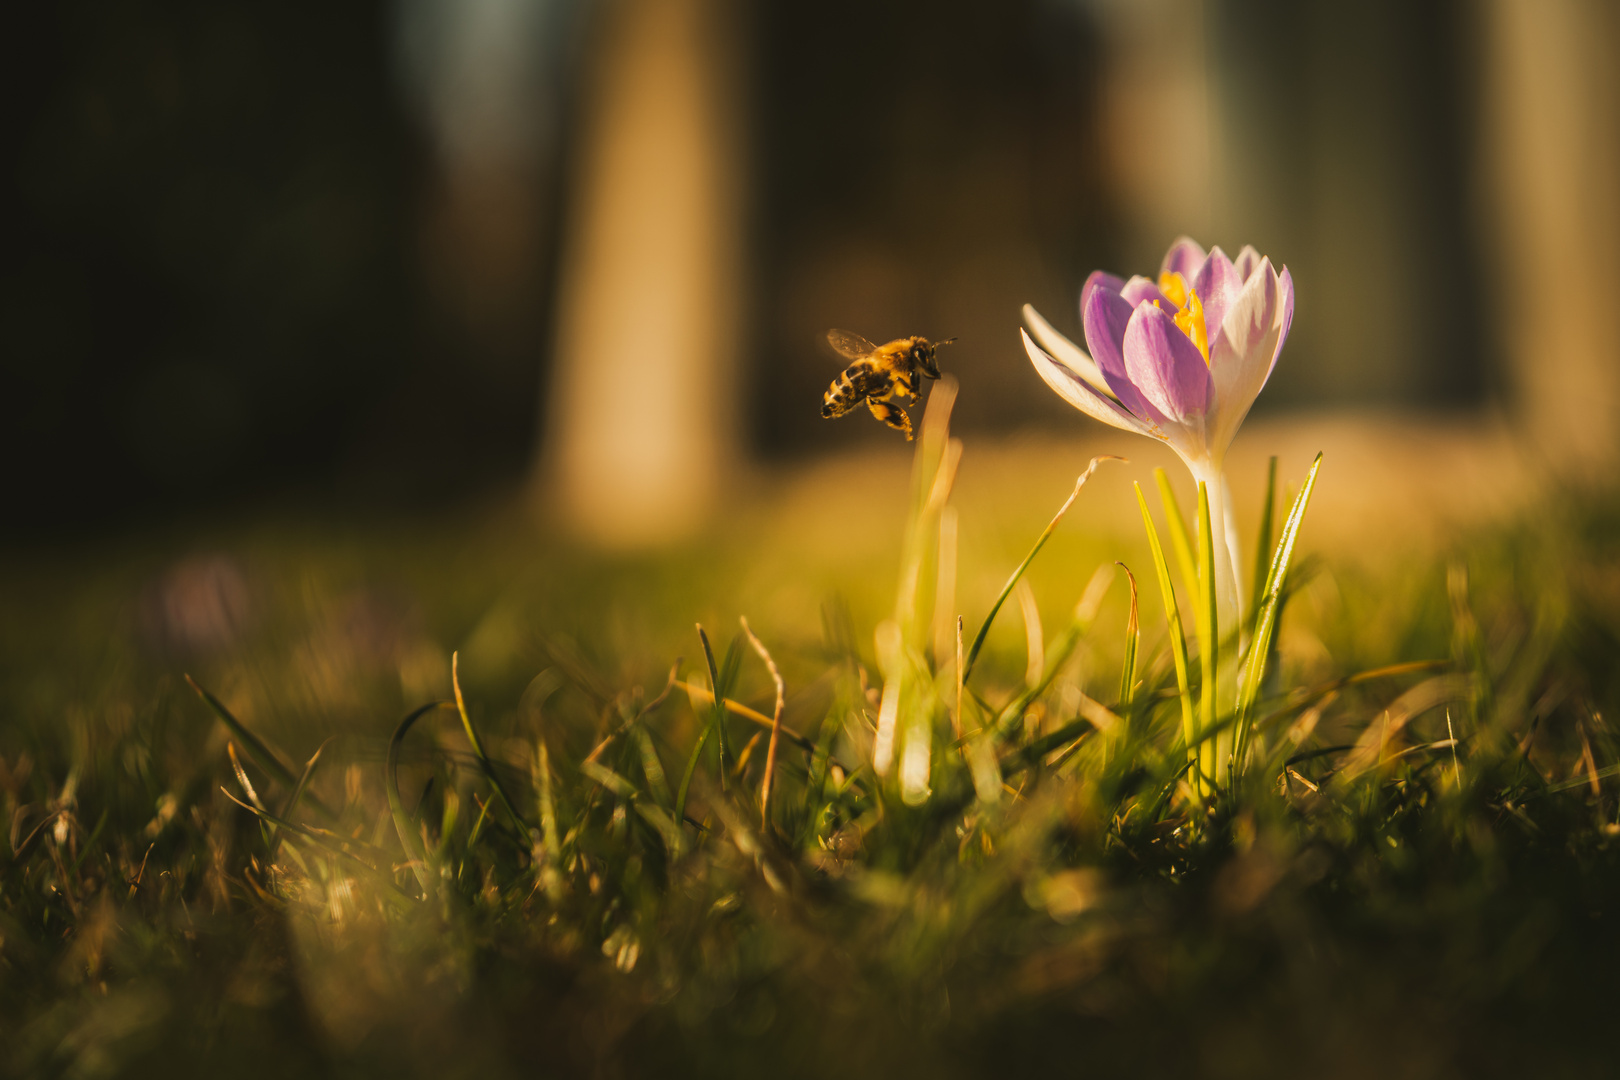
(1185, 256)
(1106, 316)
(1166, 367)
(1096, 278)
(1285, 288)
(1217, 284)
(1140, 288)
(1077, 392)
(1064, 350)
(1246, 261)
(1244, 352)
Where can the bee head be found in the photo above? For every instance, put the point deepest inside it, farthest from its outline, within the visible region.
(924, 353)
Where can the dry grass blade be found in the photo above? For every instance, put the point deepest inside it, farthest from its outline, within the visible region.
(641, 713)
(702, 696)
(776, 725)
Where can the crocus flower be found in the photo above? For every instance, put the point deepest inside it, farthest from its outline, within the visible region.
(1179, 359)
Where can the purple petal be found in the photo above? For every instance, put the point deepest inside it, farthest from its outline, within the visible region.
(1106, 316)
(1166, 366)
(1184, 257)
(1077, 392)
(1140, 289)
(1217, 284)
(1098, 277)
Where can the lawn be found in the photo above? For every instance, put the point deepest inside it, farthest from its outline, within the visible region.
(1411, 872)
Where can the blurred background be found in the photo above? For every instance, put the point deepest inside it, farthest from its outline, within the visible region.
(402, 253)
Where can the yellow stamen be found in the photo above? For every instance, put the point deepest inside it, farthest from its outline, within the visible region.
(1190, 321)
(1174, 287)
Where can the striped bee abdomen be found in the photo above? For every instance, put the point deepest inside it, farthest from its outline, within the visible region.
(858, 382)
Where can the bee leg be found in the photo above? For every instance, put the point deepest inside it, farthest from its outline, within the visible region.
(892, 415)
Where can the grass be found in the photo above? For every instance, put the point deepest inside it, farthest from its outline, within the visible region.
(352, 851)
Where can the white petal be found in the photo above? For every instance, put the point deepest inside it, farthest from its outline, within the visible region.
(1242, 352)
(1071, 388)
(1061, 348)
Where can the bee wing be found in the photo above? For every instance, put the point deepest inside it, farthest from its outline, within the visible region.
(850, 346)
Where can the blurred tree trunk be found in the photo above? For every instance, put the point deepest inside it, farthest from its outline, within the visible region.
(1552, 158)
(642, 408)
(1161, 129)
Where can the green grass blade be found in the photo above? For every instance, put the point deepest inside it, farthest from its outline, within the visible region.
(333, 842)
(303, 781)
(1266, 620)
(1208, 630)
(266, 758)
(1178, 640)
(396, 806)
(717, 711)
(1180, 539)
(652, 767)
(1040, 542)
(686, 777)
(548, 817)
(609, 779)
(1262, 546)
(1133, 638)
(298, 790)
(478, 748)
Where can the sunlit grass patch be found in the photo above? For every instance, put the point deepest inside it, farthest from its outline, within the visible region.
(564, 863)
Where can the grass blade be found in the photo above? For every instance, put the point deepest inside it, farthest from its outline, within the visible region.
(333, 842)
(1006, 590)
(1007, 721)
(1178, 640)
(1180, 539)
(652, 768)
(1262, 546)
(298, 790)
(396, 806)
(1133, 638)
(717, 712)
(1265, 625)
(1208, 630)
(478, 747)
(776, 726)
(718, 707)
(700, 696)
(266, 758)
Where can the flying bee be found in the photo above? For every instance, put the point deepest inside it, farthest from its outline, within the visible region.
(877, 373)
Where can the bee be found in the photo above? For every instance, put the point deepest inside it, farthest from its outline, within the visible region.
(877, 373)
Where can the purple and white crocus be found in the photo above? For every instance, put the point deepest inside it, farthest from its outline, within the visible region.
(1180, 360)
